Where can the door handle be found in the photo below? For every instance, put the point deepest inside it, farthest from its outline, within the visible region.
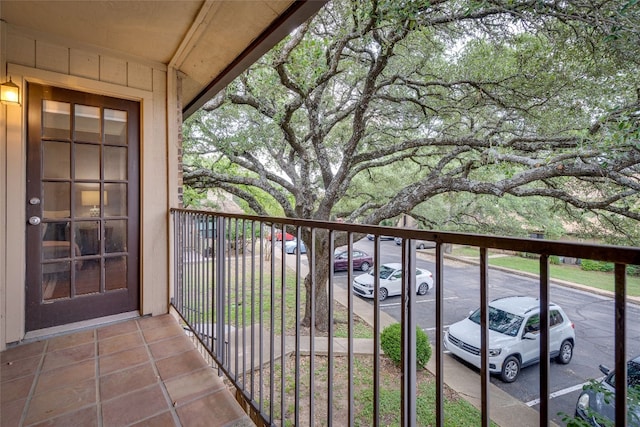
(34, 220)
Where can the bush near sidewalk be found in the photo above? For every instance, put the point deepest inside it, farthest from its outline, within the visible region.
(391, 339)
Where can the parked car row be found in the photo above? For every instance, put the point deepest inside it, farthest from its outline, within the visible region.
(390, 282)
(360, 259)
(514, 334)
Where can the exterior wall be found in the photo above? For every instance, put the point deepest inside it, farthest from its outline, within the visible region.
(39, 59)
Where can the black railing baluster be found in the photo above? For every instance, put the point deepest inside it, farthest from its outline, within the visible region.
(621, 344)
(544, 343)
(439, 290)
(484, 335)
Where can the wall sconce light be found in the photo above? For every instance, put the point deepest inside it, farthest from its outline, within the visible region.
(92, 198)
(10, 93)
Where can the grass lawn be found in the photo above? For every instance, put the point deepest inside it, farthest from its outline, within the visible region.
(570, 273)
(251, 300)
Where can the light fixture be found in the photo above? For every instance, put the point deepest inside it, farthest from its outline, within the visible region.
(10, 93)
(92, 198)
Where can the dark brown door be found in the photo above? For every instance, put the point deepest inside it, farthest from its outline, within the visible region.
(82, 206)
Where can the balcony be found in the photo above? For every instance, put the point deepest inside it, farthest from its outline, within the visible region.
(244, 299)
(234, 351)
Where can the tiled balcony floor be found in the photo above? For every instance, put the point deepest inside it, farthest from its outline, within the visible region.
(142, 372)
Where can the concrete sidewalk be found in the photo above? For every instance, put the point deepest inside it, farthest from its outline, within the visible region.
(504, 409)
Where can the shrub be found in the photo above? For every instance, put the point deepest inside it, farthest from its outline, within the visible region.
(391, 339)
(633, 270)
(590, 265)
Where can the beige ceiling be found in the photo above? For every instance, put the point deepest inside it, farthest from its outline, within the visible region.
(210, 41)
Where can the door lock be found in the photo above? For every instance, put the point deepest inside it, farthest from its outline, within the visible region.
(34, 220)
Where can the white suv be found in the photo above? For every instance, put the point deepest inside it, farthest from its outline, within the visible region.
(514, 332)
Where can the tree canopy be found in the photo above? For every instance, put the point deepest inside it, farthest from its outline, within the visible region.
(373, 109)
(469, 115)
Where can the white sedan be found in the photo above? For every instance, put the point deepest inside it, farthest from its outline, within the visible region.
(391, 281)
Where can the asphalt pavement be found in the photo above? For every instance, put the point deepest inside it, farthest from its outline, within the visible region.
(504, 409)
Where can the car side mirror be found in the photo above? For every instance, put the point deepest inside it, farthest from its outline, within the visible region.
(530, 336)
(605, 370)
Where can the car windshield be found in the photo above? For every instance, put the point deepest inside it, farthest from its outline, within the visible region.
(500, 321)
(633, 376)
(385, 271)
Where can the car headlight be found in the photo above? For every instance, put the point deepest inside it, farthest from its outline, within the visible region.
(493, 352)
(583, 402)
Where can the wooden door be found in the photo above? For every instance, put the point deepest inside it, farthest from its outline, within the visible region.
(82, 206)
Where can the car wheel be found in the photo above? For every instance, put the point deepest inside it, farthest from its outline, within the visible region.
(383, 294)
(566, 352)
(510, 369)
(423, 289)
(421, 246)
(364, 266)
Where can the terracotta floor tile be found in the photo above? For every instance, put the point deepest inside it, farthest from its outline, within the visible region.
(117, 329)
(134, 407)
(65, 392)
(16, 389)
(180, 364)
(60, 401)
(123, 360)
(127, 381)
(86, 417)
(171, 346)
(68, 356)
(11, 413)
(163, 332)
(163, 420)
(120, 343)
(71, 340)
(156, 321)
(22, 351)
(213, 410)
(61, 377)
(188, 387)
(10, 371)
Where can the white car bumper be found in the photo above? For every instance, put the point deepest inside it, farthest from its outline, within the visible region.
(470, 353)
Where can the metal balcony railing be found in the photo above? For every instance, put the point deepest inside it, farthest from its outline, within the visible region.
(243, 299)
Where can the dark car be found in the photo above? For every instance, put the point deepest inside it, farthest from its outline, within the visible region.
(361, 260)
(596, 403)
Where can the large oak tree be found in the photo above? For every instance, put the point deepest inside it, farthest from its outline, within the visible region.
(377, 108)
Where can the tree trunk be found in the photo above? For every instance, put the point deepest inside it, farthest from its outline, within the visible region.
(319, 283)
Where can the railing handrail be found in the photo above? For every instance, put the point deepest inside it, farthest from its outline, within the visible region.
(629, 255)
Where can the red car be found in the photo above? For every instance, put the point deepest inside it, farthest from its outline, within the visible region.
(287, 236)
(361, 260)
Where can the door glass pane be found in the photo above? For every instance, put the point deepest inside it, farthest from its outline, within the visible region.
(87, 200)
(56, 160)
(56, 240)
(55, 200)
(56, 119)
(115, 236)
(117, 198)
(87, 161)
(56, 280)
(88, 237)
(115, 163)
(87, 277)
(115, 273)
(115, 127)
(87, 123)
